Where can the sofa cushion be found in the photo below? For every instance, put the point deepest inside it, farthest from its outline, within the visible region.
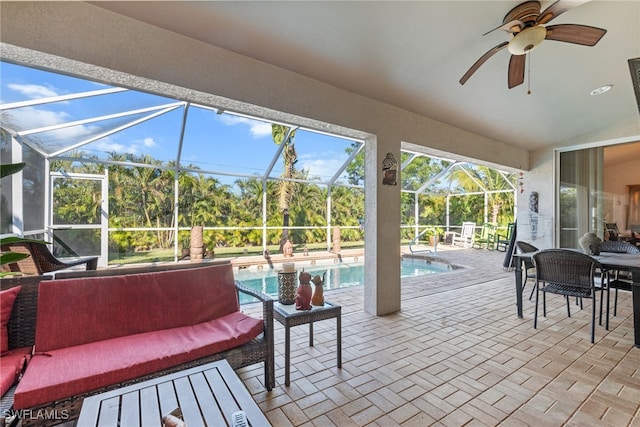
(78, 311)
(11, 365)
(74, 370)
(7, 298)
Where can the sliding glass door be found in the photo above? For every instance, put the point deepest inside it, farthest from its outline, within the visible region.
(582, 202)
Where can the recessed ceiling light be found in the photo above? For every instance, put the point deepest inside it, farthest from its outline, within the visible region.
(601, 90)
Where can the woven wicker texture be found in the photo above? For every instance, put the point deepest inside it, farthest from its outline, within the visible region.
(619, 246)
(22, 333)
(22, 323)
(41, 260)
(567, 273)
(621, 279)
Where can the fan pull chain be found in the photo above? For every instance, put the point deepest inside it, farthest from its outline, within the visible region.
(529, 72)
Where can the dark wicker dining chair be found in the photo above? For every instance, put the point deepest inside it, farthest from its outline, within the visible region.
(635, 234)
(41, 260)
(621, 278)
(529, 270)
(568, 273)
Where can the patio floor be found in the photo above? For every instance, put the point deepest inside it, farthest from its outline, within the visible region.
(457, 354)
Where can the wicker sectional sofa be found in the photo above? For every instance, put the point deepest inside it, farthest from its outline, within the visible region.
(102, 331)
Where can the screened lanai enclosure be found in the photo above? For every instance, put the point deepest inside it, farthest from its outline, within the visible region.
(125, 174)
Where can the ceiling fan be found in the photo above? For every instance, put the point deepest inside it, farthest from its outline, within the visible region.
(526, 23)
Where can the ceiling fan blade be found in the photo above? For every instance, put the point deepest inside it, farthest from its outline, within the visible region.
(508, 27)
(481, 61)
(575, 33)
(516, 70)
(558, 8)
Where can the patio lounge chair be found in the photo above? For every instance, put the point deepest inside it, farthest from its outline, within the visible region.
(466, 234)
(502, 240)
(486, 238)
(41, 260)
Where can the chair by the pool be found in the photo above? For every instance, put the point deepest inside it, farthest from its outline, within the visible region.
(41, 260)
(466, 234)
(503, 239)
(568, 273)
(486, 238)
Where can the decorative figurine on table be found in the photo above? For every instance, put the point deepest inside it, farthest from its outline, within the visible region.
(303, 295)
(318, 293)
(173, 419)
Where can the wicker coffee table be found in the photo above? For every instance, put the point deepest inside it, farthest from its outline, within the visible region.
(207, 395)
(288, 316)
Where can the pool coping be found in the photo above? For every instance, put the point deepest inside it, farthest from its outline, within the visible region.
(249, 261)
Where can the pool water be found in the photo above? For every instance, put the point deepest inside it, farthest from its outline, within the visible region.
(338, 275)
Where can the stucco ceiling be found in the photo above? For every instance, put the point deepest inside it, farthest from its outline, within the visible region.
(413, 54)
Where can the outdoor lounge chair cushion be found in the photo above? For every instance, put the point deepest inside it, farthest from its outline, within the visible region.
(7, 298)
(11, 365)
(70, 371)
(84, 310)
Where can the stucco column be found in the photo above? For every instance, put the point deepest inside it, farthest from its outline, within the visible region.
(382, 229)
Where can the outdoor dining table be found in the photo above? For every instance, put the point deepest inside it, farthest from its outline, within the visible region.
(609, 261)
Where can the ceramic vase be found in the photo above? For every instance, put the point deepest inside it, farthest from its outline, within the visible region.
(318, 292)
(303, 295)
(286, 287)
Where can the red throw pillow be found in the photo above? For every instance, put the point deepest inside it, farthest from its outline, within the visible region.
(7, 299)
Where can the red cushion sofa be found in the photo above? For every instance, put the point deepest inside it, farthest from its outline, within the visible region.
(97, 332)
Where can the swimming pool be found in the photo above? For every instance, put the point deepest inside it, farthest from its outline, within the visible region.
(338, 275)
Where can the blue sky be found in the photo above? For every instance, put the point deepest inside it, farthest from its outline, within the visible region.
(219, 142)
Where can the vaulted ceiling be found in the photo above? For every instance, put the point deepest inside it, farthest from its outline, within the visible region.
(413, 54)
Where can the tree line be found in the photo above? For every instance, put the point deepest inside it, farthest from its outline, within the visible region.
(143, 198)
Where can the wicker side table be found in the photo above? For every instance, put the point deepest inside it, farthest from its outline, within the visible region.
(288, 316)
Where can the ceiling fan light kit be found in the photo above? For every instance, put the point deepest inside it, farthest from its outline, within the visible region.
(525, 23)
(527, 40)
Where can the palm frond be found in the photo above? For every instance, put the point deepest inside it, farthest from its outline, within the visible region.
(10, 169)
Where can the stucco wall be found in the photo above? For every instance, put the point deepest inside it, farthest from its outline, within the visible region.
(537, 229)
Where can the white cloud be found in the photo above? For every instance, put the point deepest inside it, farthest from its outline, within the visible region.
(71, 135)
(33, 118)
(323, 165)
(33, 91)
(257, 128)
(107, 145)
(149, 142)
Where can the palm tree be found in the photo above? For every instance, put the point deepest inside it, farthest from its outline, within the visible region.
(473, 178)
(284, 135)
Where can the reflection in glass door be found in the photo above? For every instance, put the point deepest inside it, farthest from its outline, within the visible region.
(78, 215)
(581, 201)
(634, 206)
